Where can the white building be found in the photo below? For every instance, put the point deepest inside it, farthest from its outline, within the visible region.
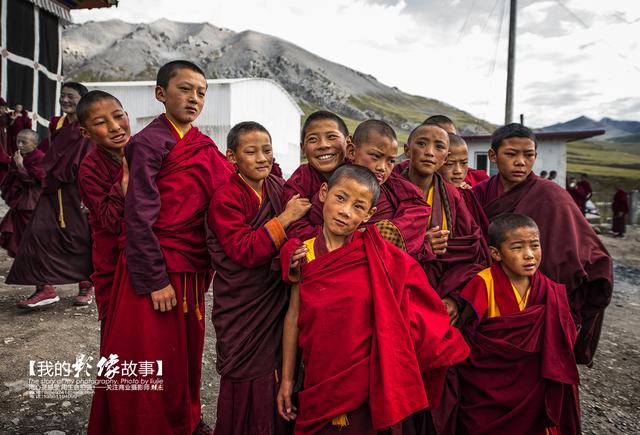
(552, 152)
(228, 102)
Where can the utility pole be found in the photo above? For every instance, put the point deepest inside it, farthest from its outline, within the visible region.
(511, 62)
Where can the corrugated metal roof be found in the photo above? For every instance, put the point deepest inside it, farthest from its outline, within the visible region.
(55, 8)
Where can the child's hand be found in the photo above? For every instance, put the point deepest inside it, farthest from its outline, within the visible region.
(464, 185)
(19, 159)
(438, 240)
(164, 299)
(295, 209)
(286, 409)
(294, 266)
(125, 175)
(452, 309)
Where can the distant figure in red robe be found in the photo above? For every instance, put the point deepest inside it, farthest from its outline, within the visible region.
(56, 246)
(455, 171)
(323, 141)
(620, 209)
(5, 121)
(574, 255)
(247, 223)
(587, 191)
(20, 190)
(401, 211)
(521, 376)
(375, 338)
(156, 310)
(103, 182)
(16, 121)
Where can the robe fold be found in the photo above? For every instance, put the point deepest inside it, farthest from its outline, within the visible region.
(56, 246)
(521, 376)
(305, 181)
(467, 252)
(20, 190)
(183, 174)
(250, 302)
(100, 180)
(475, 176)
(573, 254)
(372, 332)
(400, 203)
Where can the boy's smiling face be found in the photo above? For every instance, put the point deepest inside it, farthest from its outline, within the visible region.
(378, 154)
(324, 145)
(69, 98)
(346, 205)
(520, 253)
(184, 96)
(253, 155)
(108, 125)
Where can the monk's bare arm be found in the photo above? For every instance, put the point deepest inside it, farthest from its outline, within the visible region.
(289, 356)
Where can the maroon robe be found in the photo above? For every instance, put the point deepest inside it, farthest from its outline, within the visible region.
(13, 127)
(56, 246)
(572, 252)
(20, 190)
(475, 176)
(54, 128)
(372, 332)
(250, 302)
(475, 208)
(400, 202)
(305, 181)
(620, 208)
(170, 187)
(101, 191)
(521, 376)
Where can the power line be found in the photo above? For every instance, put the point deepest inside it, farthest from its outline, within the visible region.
(464, 25)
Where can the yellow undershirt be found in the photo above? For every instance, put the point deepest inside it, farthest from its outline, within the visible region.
(492, 306)
(311, 253)
(180, 133)
(254, 190)
(430, 202)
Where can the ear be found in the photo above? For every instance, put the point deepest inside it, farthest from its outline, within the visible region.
(495, 253)
(372, 211)
(349, 141)
(493, 156)
(446, 158)
(351, 151)
(161, 94)
(231, 157)
(85, 133)
(322, 193)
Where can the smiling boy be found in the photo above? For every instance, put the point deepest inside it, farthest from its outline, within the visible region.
(370, 328)
(164, 270)
(247, 223)
(574, 255)
(521, 376)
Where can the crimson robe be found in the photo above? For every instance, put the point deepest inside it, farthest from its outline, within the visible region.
(13, 127)
(476, 211)
(372, 331)
(170, 187)
(100, 180)
(54, 128)
(573, 254)
(20, 190)
(400, 202)
(250, 302)
(305, 181)
(620, 208)
(521, 376)
(56, 246)
(475, 176)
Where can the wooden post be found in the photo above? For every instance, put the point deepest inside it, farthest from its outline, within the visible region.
(511, 62)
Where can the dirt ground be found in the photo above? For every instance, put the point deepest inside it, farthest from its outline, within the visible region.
(610, 390)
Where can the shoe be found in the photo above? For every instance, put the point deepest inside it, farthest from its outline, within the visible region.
(44, 295)
(86, 292)
(203, 429)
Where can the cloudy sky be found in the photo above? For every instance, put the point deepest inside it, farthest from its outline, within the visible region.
(574, 57)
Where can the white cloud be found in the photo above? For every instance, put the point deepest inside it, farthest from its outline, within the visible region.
(563, 70)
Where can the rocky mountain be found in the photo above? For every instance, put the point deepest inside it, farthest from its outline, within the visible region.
(614, 129)
(116, 50)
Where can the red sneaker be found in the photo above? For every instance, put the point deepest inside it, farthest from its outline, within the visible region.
(44, 295)
(85, 294)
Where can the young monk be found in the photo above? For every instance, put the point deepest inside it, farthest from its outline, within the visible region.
(56, 246)
(574, 255)
(370, 328)
(323, 140)
(20, 190)
(163, 271)
(103, 181)
(521, 376)
(455, 171)
(248, 222)
(401, 212)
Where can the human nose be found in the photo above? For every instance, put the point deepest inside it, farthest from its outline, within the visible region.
(113, 125)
